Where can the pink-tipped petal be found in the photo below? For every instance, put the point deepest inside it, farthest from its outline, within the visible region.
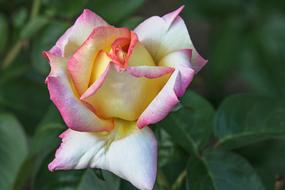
(81, 63)
(175, 87)
(181, 61)
(75, 114)
(77, 34)
(170, 17)
(149, 71)
(133, 158)
(162, 35)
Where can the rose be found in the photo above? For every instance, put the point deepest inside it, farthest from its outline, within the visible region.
(110, 83)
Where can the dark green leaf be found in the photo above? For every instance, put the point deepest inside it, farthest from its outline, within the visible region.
(115, 11)
(20, 17)
(43, 142)
(3, 33)
(13, 150)
(190, 125)
(73, 180)
(268, 158)
(243, 119)
(64, 8)
(27, 99)
(219, 170)
(132, 22)
(172, 159)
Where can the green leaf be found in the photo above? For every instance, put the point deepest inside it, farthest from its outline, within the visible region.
(268, 159)
(43, 142)
(26, 98)
(13, 150)
(172, 159)
(45, 41)
(33, 27)
(45, 139)
(73, 180)
(3, 32)
(190, 125)
(219, 170)
(244, 119)
(115, 11)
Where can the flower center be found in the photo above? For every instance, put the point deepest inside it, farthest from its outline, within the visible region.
(119, 52)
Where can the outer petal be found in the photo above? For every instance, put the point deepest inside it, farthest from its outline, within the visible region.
(133, 157)
(81, 63)
(175, 87)
(75, 114)
(77, 34)
(162, 35)
(120, 96)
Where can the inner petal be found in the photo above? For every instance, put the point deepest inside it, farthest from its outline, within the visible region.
(81, 63)
(135, 52)
(100, 64)
(124, 96)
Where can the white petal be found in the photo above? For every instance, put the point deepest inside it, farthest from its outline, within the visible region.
(133, 157)
(162, 35)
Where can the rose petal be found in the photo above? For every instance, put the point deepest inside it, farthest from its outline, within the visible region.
(124, 95)
(101, 63)
(77, 34)
(162, 35)
(121, 56)
(75, 114)
(181, 61)
(149, 71)
(81, 63)
(175, 87)
(133, 157)
(139, 56)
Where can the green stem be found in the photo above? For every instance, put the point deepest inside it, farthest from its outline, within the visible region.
(161, 180)
(35, 9)
(12, 54)
(179, 180)
(15, 50)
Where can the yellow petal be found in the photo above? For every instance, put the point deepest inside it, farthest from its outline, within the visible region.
(123, 95)
(140, 56)
(101, 63)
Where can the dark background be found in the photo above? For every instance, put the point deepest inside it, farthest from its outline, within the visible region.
(230, 136)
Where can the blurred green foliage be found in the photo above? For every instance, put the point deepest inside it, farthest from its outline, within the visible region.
(231, 139)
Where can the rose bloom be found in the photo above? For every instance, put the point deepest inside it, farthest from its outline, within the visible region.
(110, 83)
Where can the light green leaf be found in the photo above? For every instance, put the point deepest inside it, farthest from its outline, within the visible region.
(13, 150)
